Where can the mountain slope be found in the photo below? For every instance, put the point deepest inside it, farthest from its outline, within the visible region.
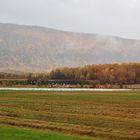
(36, 49)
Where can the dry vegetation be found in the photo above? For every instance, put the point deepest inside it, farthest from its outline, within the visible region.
(105, 115)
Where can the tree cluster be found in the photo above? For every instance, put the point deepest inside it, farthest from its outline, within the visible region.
(112, 74)
(104, 73)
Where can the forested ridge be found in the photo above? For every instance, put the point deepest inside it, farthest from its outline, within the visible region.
(38, 49)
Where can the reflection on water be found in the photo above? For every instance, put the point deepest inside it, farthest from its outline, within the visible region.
(64, 89)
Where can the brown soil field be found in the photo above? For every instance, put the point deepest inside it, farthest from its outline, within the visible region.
(106, 115)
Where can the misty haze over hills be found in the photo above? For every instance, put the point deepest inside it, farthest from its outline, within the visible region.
(39, 49)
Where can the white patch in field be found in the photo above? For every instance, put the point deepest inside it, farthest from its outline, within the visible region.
(64, 89)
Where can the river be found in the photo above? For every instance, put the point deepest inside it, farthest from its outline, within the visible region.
(64, 89)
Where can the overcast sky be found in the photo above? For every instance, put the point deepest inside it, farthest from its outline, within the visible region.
(111, 17)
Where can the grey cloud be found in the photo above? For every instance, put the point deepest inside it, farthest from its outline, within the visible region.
(112, 17)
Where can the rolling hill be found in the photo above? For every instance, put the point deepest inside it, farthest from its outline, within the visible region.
(40, 49)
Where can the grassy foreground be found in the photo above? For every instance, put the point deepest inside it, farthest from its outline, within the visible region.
(104, 115)
(14, 133)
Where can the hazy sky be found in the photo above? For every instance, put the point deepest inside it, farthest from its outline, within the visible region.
(111, 17)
